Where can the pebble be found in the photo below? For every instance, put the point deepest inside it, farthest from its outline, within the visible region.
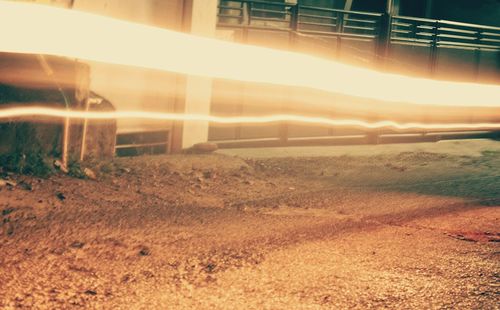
(90, 174)
(204, 147)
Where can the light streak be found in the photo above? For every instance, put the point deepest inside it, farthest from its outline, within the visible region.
(41, 29)
(20, 112)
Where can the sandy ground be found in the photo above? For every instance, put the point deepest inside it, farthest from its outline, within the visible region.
(404, 227)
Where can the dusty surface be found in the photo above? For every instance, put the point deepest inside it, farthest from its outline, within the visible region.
(407, 229)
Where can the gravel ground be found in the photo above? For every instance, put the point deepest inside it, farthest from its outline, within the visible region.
(368, 228)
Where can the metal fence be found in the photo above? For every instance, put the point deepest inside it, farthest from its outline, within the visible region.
(439, 34)
(298, 20)
(432, 48)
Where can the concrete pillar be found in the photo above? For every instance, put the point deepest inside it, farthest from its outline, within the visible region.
(200, 18)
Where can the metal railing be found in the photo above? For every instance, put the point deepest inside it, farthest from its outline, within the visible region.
(311, 20)
(298, 18)
(246, 13)
(381, 32)
(441, 33)
(323, 21)
(437, 34)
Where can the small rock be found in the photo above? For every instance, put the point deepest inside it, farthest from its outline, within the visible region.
(204, 147)
(77, 245)
(144, 251)
(31, 217)
(26, 186)
(148, 274)
(327, 299)
(91, 292)
(89, 173)
(9, 183)
(210, 268)
(60, 196)
(57, 251)
(126, 278)
(10, 230)
(59, 165)
(209, 174)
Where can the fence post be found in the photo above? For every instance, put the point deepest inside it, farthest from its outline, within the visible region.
(247, 20)
(294, 24)
(434, 50)
(384, 39)
(292, 41)
(339, 29)
(477, 56)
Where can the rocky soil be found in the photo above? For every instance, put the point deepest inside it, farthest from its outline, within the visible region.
(406, 230)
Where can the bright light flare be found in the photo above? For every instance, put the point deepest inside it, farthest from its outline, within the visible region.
(159, 116)
(48, 30)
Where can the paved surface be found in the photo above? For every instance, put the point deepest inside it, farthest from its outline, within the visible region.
(450, 147)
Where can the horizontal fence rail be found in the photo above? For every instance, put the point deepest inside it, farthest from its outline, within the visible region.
(299, 18)
(442, 33)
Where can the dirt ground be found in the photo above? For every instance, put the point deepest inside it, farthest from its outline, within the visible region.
(376, 227)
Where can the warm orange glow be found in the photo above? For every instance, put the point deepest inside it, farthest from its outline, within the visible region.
(158, 116)
(47, 30)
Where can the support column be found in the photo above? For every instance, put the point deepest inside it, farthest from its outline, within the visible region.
(384, 36)
(200, 18)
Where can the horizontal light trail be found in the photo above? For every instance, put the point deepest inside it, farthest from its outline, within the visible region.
(21, 112)
(40, 29)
